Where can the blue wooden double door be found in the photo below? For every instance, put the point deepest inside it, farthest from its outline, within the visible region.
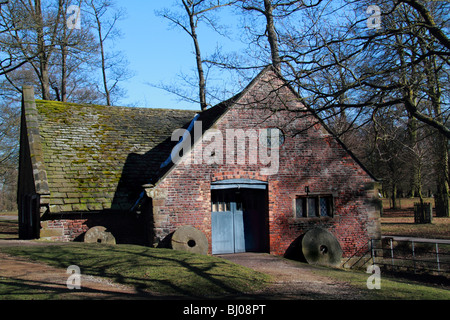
(239, 221)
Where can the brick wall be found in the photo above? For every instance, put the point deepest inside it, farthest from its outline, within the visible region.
(126, 227)
(63, 229)
(308, 157)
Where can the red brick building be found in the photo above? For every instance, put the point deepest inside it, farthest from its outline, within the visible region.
(256, 173)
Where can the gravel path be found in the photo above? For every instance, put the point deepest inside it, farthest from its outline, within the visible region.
(293, 280)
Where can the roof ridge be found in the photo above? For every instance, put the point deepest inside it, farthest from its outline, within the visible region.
(87, 105)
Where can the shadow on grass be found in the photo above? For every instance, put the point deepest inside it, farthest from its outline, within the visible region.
(20, 289)
(152, 272)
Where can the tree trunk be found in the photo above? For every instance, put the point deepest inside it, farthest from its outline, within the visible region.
(63, 73)
(442, 186)
(416, 165)
(272, 34)
(43, 57)
(198, 58)
(64, 53)
(45, 85)
(394, 196)
(441, 152)
(102, 53)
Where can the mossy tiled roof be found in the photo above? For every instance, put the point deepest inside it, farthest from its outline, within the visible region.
(98, 157)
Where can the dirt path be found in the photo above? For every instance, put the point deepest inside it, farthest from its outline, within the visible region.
(8, 218)
(294, 280)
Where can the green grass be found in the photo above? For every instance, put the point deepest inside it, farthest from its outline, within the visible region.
(392, 288)
(405, 226)
(147, 269)
(9, 230)
(16, 289)
(404, 203)
(8, 213)
(400, 222)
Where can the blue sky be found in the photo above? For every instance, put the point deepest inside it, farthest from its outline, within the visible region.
(158, 53)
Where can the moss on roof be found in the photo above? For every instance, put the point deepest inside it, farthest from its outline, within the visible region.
(97, 157)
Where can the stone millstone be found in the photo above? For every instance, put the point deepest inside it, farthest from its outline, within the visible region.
(99, 235)
(321, 247)
(187, 238)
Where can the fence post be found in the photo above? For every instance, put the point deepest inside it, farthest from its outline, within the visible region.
(392, 254)
(437, 256)
(414, 256)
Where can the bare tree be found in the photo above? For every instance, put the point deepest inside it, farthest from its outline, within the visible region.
(195, 11)
(267, 8)
(9, 151)
(113, 66)
(30, 37)
(371, 59)
(76, 48)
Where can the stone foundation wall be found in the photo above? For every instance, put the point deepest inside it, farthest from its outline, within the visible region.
(125, 227)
